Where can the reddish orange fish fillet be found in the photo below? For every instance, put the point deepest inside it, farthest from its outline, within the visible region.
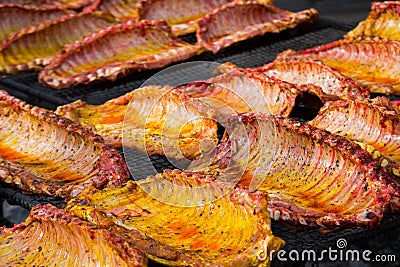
(52, 237)
(383, 21)
(374, 123)
(16, 20)
(45, 154)
(115, 51)
(374, 63)
(152, 119)
(309, 72)
(35, 49)
(240, 91)
(313, 178)
(230, 231)
(240, 21)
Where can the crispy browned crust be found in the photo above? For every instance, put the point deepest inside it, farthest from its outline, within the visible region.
(252, 19)
(177, 50)
(180, 235)
(382, 22)
(373, 62)
(307, 73)
(21, 53)
(375, 193)
(75, 234)
(110, 168)
(35, 24)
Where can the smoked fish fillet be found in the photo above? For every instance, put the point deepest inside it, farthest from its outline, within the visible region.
(313, 178)
(63, 4)
(156, 120)
(52, 237)
(16, 20)
(373, 62)
(33, 50)
(228, 231)
(383, 21)
(181, 15)
(373, 123)
(43, 153)
(239, 21)
(310, 72)
(240, 91)
(116, 51)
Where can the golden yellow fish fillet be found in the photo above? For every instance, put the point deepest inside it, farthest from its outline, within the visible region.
(229, 231)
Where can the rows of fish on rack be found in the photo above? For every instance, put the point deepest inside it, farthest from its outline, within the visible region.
(338, 170)
(110, 38)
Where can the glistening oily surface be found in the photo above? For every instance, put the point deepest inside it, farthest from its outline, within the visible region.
(52, 237)
(217, 30)
(308, 72)
(45, 154)
(181, 15)
(238, 91)
(102, 55)
(152, 119)
(373, 62)
(382, 21)
(373, 123)
(229, 231)
(33, 50)
(17, 19)
(313, 178)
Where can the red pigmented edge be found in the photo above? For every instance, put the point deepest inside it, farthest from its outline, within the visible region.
(45, 75)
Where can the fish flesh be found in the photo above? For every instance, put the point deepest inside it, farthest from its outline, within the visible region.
(181, 15)
(311, 72)
(17, 20)
(313, 178)
(382, 21)
(52, 237)
(166, 217)
(152, 119)
(43, 153)
(217, 30)
(238, 91)
(375, 124)
(146, 45)
(33, 50)
(373, 62)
